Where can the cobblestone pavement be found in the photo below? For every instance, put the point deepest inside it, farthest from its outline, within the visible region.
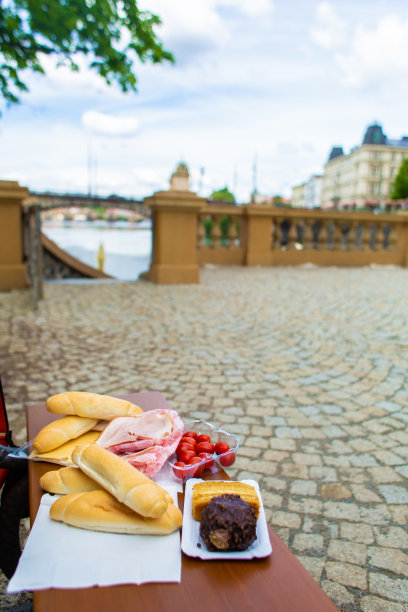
(307, 365)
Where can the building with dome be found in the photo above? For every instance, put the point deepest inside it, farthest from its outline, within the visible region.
(180, 179)
(364, 177)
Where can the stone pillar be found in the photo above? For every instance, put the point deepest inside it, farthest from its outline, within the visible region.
(12, 268)
(174, 231)
(403, 237)
(258, 235)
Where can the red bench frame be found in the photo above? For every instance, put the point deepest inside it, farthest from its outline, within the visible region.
(5, 432)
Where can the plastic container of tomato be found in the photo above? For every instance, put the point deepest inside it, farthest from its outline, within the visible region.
(217, 435)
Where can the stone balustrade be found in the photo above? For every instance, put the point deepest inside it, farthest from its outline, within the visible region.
(267, 236)
(13, 272)
(26, 255)
(189, 232)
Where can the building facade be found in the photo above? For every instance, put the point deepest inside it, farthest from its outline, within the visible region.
(365, 176)
(308, 194)
(298, 196)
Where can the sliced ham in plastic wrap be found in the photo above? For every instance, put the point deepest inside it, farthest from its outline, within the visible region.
(150, 460)
(146, 440)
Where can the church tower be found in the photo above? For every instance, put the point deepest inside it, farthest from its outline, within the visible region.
(179, 180)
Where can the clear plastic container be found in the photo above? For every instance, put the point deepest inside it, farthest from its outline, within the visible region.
(217, 434)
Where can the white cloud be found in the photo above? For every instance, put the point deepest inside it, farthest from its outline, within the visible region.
(248, 7)
(148, 179)
(247, 80)
(135, 181)
(107, 125)
(189, 28)
(60, 86)
(61, 77)
(379, 53)
(330, 30)
(193, 28)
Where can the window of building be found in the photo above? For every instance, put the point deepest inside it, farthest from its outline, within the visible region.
(373, 188)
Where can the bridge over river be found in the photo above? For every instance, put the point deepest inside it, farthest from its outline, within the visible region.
(49, 200)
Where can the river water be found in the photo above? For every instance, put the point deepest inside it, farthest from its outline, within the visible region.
(127, 246)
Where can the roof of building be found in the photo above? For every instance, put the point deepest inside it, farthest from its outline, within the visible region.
(374, 135)
(336, 152)
(181, 169)
(398, 143)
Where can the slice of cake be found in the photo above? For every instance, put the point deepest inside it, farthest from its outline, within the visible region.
(203, 492)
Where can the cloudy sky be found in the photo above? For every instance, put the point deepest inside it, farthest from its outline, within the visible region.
(270, 84)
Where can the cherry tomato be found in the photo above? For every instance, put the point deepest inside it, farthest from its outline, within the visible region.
(190, 434)
(203, 438)
(200, 469)
(177, 469)
(204, 447)
(221, 447)
(184, 447)
(186, 456)
(209, 459)
(188, 440)
(227, 459)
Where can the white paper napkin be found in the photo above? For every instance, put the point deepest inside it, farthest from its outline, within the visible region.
(59, 556)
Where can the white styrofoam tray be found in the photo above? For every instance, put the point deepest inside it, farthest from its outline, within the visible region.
(193, 545)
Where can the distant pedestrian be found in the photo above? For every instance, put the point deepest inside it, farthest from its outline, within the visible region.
(101, 257)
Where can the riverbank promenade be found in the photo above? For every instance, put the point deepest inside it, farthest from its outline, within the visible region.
(307, 365)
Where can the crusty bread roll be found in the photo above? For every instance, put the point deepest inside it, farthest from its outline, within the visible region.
(73, 480)
(100, 511)
(100, 426)
(91, 405)
(60, 431)
(68, 480)
(121, 479)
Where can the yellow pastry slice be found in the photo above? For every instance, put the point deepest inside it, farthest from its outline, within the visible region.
(203, 492)
(62, 454)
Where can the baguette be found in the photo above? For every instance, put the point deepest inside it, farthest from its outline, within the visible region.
(121, 479)
(72, 479)
(91, 405)
(68, 480)
(100, 511)
(60, 431)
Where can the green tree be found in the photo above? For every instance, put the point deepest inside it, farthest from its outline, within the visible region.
(400, 187)
(112, 34)
(223, 194)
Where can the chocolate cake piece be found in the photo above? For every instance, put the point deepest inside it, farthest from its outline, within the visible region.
(228, 523)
